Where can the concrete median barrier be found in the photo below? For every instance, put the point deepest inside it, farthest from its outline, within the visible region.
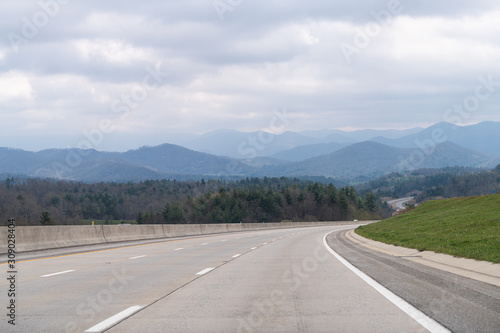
(233, 227)
(51, 237)
(121, 233)
(179, 230)
(208, 229)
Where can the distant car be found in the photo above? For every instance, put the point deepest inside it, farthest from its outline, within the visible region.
(355, 220)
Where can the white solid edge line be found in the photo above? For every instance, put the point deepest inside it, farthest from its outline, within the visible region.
(59, 273)
(114, 319)
(205, 271)
(137, 257)
(424, 320)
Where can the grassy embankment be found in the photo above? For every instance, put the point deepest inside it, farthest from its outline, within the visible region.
(464, 227)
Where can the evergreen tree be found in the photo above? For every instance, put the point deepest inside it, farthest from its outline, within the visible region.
(332, 194)
(344, 204)
(370, 202)
(45, 219)
(172, 213)
(140, 218)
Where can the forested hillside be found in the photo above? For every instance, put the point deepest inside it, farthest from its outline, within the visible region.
(370, 160)
(44, 201)
(430, 183)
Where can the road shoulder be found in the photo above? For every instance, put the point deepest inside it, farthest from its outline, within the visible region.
(483, 271)
(459, 303)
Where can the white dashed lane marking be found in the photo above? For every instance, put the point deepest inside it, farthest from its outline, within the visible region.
(103, 325)
(137, 257)
(58, 273)
(205, 271)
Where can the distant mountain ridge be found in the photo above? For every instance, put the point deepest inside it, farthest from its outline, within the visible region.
(158, 162)
(301, 153)
(244, 145)
(484, 137)
(441, 145)
(241, 145)
(371, 159)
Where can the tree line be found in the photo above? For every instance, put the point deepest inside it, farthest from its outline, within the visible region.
(46, 201)
(430, 183)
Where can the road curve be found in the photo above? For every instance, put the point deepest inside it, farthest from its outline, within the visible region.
(461, 304)
(266, 281)
(399, 204)
(291, 284)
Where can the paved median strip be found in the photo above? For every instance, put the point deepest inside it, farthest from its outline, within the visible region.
(205, 271)
(58, 273)
(111, 321)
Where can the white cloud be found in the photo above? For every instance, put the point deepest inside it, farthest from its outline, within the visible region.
(233, 74)
(451, 42)
(14, 86)
(113, 51)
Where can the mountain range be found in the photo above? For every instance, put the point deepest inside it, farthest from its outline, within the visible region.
(357, 155)
(483, 137)
(368, 160)
(241, 145)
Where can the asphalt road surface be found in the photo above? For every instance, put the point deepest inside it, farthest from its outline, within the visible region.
(399, 204)
(264, 281)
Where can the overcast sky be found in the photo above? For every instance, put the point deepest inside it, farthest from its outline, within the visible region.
(130, 73)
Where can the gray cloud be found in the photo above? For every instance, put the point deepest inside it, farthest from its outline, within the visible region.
(404, 69)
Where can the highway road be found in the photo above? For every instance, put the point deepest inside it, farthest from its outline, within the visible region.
(399, 204)
(263, 281)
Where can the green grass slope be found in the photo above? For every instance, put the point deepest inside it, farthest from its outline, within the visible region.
(464, 227)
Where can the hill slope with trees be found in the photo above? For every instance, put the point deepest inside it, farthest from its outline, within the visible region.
(425, 184)
(36, 201)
